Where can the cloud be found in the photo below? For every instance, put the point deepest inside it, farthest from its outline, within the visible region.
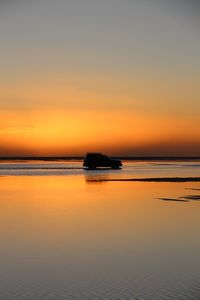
(24, 130)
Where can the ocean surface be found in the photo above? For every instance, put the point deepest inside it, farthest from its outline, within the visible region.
(131, 168)
(65, 233)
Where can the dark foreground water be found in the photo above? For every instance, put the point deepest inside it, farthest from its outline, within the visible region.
(66, 236)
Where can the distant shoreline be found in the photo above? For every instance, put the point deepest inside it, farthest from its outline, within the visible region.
(134, 158)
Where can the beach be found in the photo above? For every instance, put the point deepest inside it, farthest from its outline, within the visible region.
(66, 233)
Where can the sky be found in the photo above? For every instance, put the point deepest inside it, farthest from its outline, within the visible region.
(120, 77)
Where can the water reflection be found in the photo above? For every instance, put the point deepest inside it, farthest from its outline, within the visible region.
(92, 178)
(62, 238)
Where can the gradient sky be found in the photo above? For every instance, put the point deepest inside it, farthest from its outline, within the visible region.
(117, 76)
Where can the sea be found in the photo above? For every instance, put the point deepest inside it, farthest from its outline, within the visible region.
(76, 234)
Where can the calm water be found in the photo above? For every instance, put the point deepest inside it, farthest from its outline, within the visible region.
(65, 237)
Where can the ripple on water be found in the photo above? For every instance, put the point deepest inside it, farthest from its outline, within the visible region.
(138, 289)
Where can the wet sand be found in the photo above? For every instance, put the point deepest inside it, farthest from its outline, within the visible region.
(159, 179)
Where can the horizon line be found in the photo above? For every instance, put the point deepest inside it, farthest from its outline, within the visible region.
(77, 157)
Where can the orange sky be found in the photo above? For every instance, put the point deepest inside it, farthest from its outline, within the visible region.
(70, 83)
(75, 132)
